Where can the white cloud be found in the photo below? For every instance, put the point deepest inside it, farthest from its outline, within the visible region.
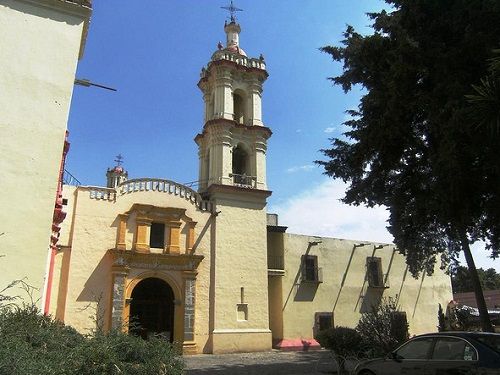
(481, 257)
(320, 212)
(330, 129)
(302, 168)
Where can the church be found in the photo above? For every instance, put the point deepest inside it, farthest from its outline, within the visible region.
(211, 269)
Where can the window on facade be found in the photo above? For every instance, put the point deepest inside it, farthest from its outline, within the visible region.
(310, 270)
(374, 272)
(399, 323)
(157, 236)
(323, 320)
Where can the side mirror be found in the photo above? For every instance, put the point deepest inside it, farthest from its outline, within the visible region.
(394, 356)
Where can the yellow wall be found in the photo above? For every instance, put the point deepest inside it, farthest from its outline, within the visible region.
(40, 44)
(418, 298)
(93, 225)
(240, 261)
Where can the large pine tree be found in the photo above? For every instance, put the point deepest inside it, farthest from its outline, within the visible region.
(414, 143)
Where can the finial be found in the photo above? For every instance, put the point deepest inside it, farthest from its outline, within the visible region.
(232, 11)
(119, 159)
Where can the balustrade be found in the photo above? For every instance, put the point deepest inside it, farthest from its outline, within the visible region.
(150, 184)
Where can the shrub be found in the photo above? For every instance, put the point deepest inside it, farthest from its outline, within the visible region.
(31, 343)
(384, 327)
(343, 341)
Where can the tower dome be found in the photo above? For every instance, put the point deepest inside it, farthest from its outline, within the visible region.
(117, 174)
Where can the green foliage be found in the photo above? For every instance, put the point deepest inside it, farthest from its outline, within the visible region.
(441, 319)
(343, 341)
(33, 344)
(461, 281)
(383, 328)
(412, 145)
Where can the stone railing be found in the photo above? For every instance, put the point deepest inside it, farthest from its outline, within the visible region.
(150, 184)
(239, 59)
(242, 180)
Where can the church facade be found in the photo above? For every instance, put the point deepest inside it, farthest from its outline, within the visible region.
(211, 269)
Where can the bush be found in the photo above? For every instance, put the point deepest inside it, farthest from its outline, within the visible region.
(31, 343)
(343, 341)
(383, 328)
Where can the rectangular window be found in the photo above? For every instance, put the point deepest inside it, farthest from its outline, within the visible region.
(374, 272)
(157, 236)
(310, 270)
(323, 320)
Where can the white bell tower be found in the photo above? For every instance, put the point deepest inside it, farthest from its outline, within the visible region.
(233, 144)
(232, 175)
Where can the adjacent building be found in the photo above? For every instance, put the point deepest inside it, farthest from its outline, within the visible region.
(40, 43)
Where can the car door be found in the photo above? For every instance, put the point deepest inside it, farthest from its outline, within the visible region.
(412, 357)
(452, 356)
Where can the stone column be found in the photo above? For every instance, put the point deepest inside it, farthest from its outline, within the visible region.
(173, 246)
(189, 345)
(142, 240)
(119, 271)
(190, 237)
(122, 230)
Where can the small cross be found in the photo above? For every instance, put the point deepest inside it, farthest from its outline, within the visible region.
(232, 11)
(119, 159)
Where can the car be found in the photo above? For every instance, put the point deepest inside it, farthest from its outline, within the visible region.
(443, 353)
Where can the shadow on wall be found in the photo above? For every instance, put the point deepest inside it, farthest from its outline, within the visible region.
(306, 292)
(43, 12)
(97, 291)
(371, 300)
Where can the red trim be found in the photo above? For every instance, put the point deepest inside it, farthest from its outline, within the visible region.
(57, 218)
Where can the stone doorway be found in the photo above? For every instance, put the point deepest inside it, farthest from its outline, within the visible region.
(152, 309)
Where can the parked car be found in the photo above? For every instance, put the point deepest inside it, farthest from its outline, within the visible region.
(444, 353)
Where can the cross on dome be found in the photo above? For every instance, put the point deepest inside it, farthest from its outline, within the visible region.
(119, 159)
(232, 11)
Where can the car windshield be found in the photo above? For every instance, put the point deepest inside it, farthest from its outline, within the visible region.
(493, 341)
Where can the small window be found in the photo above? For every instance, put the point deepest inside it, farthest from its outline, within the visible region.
(453, 349)
(324, 320)
(415, 349)
(310, 270)
(157, 236)
(374, 272)
(399, 323)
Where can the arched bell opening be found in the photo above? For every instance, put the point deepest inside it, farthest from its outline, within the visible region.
(241, 166)
(239, 107)
(152, 309)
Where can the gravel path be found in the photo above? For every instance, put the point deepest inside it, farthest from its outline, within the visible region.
(262, 363)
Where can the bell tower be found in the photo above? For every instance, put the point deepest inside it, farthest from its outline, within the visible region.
(232, 175)
(233, 144)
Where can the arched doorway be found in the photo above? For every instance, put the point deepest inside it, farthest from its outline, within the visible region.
(152, 309)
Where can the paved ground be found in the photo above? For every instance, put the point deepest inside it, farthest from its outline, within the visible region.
(268, 363)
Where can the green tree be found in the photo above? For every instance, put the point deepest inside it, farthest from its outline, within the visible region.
(412, 145)
(461, 282)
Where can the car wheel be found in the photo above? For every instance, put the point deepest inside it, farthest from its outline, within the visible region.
(366, 372)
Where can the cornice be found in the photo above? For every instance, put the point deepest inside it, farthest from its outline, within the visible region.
(230, 189)
(78, 8)
(265, 131)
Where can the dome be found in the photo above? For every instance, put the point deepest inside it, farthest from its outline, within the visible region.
(236, 49)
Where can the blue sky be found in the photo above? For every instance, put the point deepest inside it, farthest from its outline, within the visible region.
(152, 53)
